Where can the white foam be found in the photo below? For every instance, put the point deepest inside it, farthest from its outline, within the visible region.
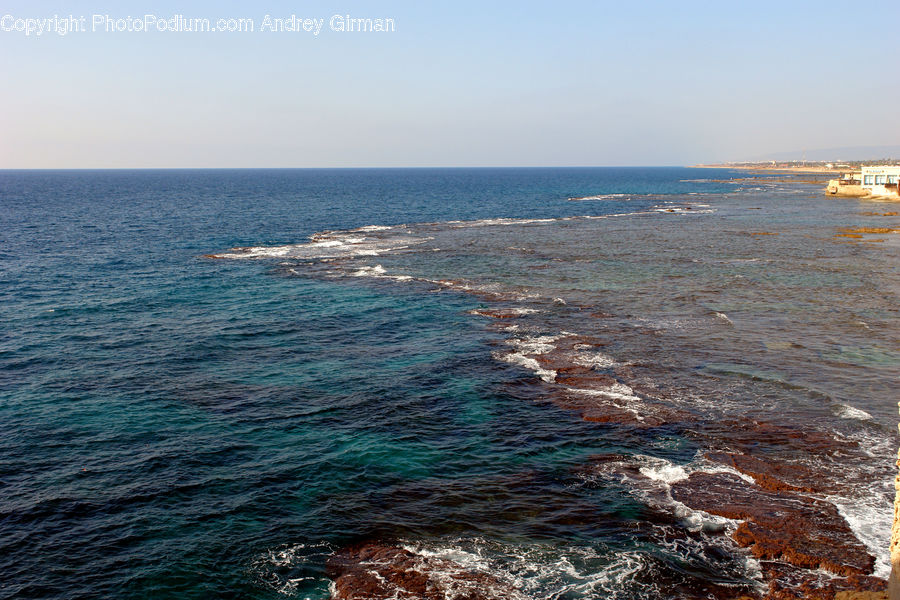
(452, 561)
(328, 245)
(660, 469)
(665, 473)
(526, 349)
(698, 520)
(682, 208)
(870, 519)
(375, 271)
(602, 197)
(274, 562)
(517, 311)
(541, 344)
(868, 508)
(594, 360)
(256, 252)
(654, 488)
(611, 216)
(875, 444)
(518, 358)
(616, 391)
(547, 571)
(846, 411)
(349, 243)
(500, 221)
(613, 393)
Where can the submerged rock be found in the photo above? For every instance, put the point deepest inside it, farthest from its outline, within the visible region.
(775, 475)
(790, 583)
(749, 435)
(797, 529)
(375, 571)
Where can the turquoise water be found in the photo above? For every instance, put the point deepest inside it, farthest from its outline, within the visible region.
(173, 425)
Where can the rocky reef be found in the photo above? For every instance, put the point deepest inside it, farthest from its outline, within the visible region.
(377, 571)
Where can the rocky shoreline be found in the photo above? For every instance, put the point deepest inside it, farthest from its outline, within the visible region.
(388, 571)
(754, 492)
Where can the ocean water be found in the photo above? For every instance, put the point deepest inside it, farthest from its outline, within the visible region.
(212, 381)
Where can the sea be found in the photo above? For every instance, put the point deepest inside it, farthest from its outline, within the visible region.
(214, 381)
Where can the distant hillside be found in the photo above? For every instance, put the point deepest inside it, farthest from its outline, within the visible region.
(832, 154)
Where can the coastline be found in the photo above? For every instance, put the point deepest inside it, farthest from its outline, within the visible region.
(599, 399)
(824, 175)
(772, 169)
(728, 479)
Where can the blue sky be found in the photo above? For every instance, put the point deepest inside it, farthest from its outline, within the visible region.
(457, 84)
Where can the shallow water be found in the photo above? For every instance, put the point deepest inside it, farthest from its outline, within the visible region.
(176, 425)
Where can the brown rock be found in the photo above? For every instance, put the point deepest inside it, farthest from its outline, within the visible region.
(790, 583)
(786, 525)
(802, 531)
(601, 315)
(868, 230)
(375, 571)
(583, 378)
(746, 435)
(774, 475)
(861, 595)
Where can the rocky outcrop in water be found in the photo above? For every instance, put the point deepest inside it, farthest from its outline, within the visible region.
(775, 476)
(790, 583)
(797, 529)
(376, 571)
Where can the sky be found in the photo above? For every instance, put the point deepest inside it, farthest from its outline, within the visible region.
(455, 84)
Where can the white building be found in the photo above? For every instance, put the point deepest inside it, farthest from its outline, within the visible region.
(880, 181)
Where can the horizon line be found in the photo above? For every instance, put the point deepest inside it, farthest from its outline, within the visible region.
(7, 169)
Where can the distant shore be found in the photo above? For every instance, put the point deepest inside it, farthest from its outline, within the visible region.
(775, 169)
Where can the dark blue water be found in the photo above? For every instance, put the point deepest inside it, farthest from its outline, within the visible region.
(175, 426)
